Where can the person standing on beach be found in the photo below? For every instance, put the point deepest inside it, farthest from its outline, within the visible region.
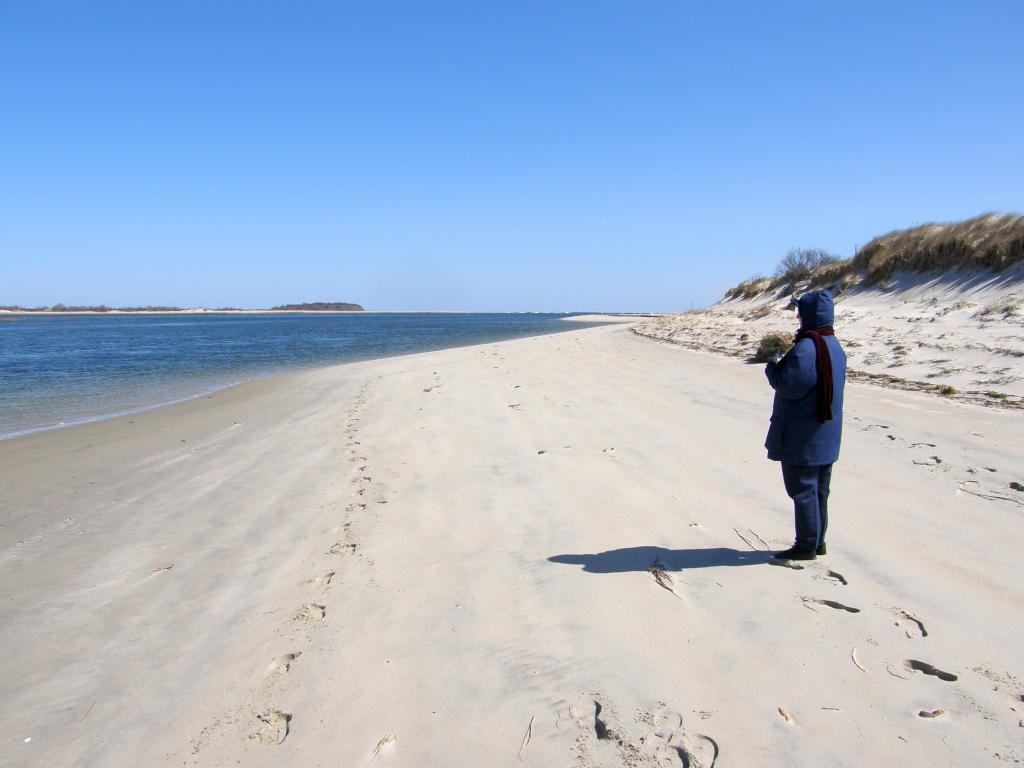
(807, 420)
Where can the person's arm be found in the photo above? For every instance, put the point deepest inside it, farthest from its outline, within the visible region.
(796, 374)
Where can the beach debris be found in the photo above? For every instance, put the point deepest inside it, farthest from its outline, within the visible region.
(541, 453)
(993, 496)
(931, 714)
(745, 539)
(927, 669)
(526, 738)
(275, 727)
(888, 669)
(87, 711)
(757, 536)
(386, 739)
(853, 656)
(786, 716)
(662, 577)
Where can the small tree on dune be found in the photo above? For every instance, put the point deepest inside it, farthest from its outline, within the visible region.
(799, 263)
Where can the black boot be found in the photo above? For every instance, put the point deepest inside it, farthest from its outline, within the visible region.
(794, 553)
(821, 550)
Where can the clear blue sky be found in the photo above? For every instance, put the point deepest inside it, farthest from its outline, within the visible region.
(485, 155)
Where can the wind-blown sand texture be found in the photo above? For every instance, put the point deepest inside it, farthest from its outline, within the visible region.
(546, 552)
(963, 330)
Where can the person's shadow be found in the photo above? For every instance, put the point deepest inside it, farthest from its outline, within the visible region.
(642, 558)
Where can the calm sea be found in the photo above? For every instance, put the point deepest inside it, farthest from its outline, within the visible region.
(61, 370)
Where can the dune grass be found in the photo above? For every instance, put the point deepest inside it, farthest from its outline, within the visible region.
(991, 241)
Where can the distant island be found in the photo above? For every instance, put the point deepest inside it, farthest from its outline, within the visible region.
(315, 306)
(320, 306)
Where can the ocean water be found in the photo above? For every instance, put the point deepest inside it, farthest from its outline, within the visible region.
(65, 369)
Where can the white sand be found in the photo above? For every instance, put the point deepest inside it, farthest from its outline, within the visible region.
(964, 330)
(493, 602)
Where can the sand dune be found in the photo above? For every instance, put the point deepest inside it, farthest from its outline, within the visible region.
(550, 551)
(959, 330)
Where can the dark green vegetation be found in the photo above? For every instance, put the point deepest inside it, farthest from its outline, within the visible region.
(322, 306)
(98, 308)
(991, 241)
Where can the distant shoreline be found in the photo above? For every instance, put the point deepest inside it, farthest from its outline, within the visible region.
(123, 313)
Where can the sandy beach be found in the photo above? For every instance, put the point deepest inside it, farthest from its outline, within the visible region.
(543, 552)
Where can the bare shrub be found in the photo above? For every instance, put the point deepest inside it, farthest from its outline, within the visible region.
(799, 263)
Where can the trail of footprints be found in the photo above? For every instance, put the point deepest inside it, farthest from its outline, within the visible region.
(982, 481)
(271, 727)
(913, 627)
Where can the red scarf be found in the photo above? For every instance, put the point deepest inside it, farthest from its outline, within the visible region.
(823, 365)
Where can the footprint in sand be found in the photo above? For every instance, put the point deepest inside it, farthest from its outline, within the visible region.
(931, 461)
(831, 604)
(911, 625)
(927, 669)
(786, 564)
(664, 742)
(342, 548)
(672, 746)
(311, 612)
(324, 579)
(834, 576)
(275, 727)
(281, 664)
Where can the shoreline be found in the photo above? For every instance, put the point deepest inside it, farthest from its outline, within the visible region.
(209, 391)
(383, 551)
(124, 313)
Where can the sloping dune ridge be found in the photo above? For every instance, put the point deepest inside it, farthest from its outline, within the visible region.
(942, 322)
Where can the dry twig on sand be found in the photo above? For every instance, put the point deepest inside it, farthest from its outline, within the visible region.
(384, 741)
(526, 738)
(660, 575)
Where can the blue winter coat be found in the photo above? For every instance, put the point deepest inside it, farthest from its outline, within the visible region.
(795, 435)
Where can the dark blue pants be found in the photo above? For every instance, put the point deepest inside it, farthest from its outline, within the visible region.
(807, 486)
